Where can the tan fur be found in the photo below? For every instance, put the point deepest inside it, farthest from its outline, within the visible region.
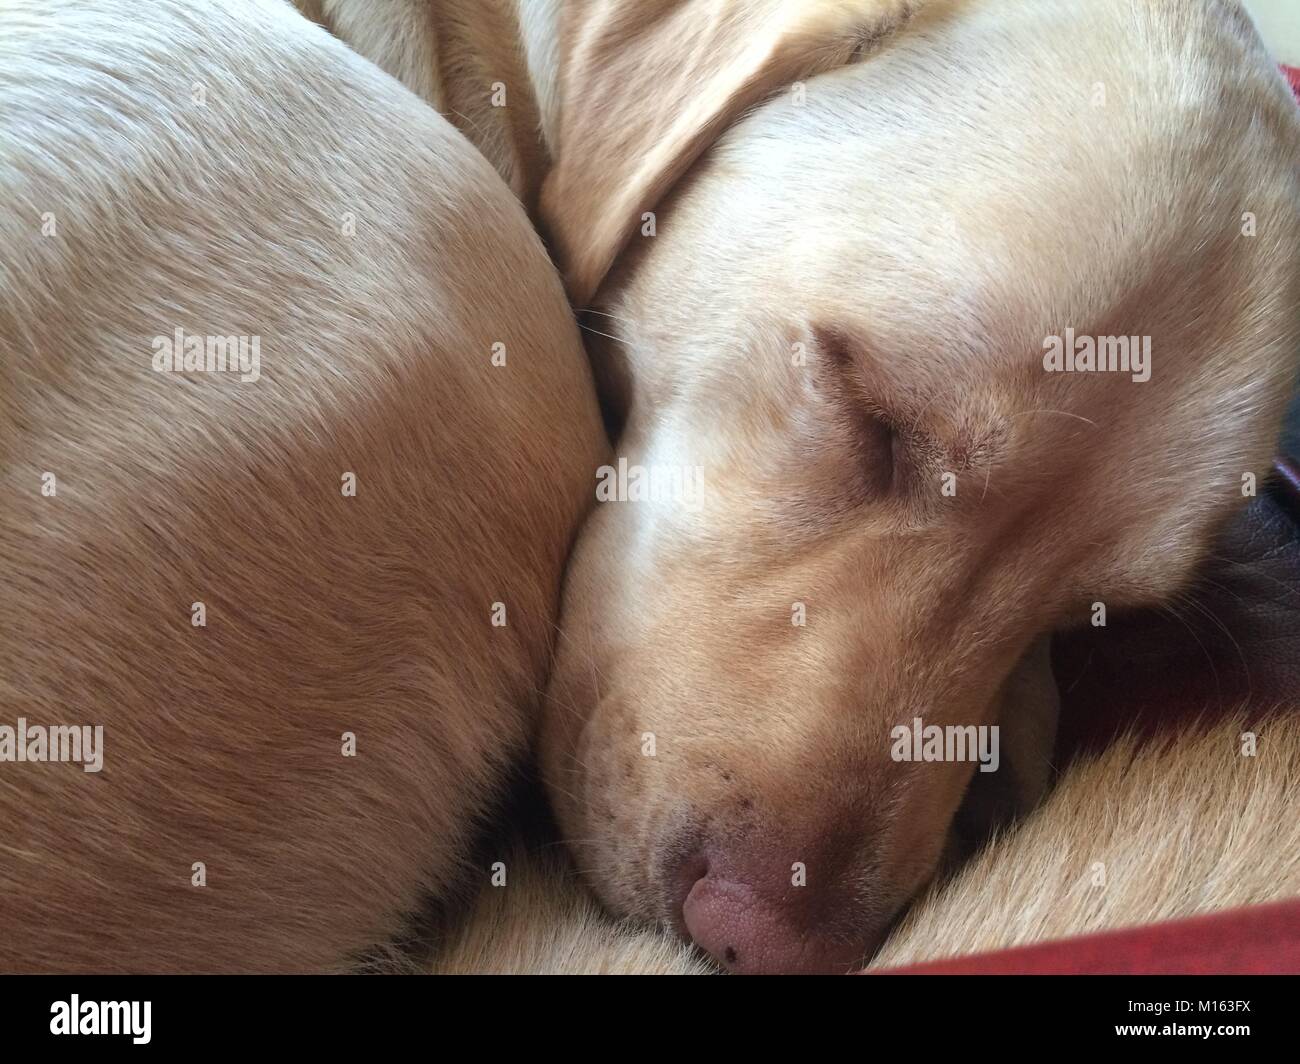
(326, 614)
(647, 86)
(845, 302)
(1183, 827)
(821, 222)
(483, 64)
(1141, 833)
(894, 223)
(603, 101)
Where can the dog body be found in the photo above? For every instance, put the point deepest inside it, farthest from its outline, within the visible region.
(489, 66)
(828, 275)
(310, 599)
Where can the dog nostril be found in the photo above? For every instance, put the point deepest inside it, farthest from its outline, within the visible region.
(679, 884)
(738, 905)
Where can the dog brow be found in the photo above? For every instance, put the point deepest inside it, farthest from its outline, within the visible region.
(972, 444)
(861, 377)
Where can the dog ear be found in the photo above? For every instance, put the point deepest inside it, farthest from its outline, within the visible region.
(647, 85)
(457, 57)
(1029, 705)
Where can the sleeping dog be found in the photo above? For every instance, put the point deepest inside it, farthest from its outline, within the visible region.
(852, 319)
(963, 321)
(832, 246)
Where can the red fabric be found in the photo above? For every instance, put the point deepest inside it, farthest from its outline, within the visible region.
(1293, 76)
(1260, 940)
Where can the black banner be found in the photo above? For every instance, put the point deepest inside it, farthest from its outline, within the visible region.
(450, 1015)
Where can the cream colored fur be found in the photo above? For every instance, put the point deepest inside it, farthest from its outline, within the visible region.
(371, 614)
(909, 196)
(841, 315)
(1142, 832)
(489, 66)
(228, 168)
(1179, 828)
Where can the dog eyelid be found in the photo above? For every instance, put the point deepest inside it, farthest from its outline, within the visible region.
(888, 450)
(884, 445)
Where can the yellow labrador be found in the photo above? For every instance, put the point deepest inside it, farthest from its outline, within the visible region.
(295, 432)
(914, 361)
(834, 308)
(927, 328)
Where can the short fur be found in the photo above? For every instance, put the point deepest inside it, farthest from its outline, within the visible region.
(228, 168)
(1180, 827)
(324, 615)
(842, 312)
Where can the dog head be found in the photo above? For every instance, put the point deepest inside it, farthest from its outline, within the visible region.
(865, 459)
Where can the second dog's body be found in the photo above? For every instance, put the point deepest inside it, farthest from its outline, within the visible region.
(308, 597)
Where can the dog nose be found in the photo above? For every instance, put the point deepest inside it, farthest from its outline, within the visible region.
(750, 935)
(757, 917)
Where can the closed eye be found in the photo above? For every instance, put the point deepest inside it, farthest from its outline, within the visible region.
(882, 451)
(878, 446)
